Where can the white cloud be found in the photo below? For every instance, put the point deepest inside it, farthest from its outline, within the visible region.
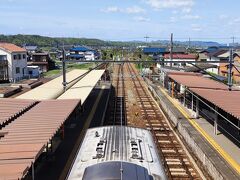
(173, 19)
(161, 4)
(190, 17)
(186, 10)
(175, 12)
(234, 21)
(111, 9)
(196, 27)
(129, 10)
(141, 19)
(223, 16)
(134, 10)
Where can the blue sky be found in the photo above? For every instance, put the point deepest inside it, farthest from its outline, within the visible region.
(122, 19)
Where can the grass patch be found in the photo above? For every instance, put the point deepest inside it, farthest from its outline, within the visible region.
(80, 66)
(52, 73)
(70, 67)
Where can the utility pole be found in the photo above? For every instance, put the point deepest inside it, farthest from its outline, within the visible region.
(233, 40)
(171, 49)
(230, 70)
(189, 43)
(146, 37)
(64, 69)
(230, 66)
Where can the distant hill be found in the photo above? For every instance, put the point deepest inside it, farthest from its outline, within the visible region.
(192, 43)
(43, 41)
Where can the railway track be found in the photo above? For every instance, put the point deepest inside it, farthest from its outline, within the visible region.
(175, 159)
(118, 111)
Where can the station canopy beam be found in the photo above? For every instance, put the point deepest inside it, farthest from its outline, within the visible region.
(143, 61)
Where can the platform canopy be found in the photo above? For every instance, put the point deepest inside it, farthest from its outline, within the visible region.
(213, 91)
(195, 80)
(53, 88)
(224, 99)
(83, 88)
(11, 108)
(24, 139)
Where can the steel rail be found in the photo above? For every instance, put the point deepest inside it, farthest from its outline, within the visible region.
(145, 61)
(171, 138)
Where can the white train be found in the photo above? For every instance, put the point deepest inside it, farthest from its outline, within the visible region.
(115, 152)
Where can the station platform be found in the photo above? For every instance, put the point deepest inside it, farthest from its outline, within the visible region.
(219, 156)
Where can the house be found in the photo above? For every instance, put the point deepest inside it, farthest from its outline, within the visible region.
(3, 69)
(154, 51)
(180, 57)
(178, 50)
(224, 67)
(83, 53)
(213, 49)
(30, 49)
(34, 71)
(42, 60)
(17, 61)
(202, 57)
(214, 56)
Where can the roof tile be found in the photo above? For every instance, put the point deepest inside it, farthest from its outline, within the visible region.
(11, 47)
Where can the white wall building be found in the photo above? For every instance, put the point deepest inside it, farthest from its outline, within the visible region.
(179, 57)
(82, 52)
(17, 61)
(215, 56)
(89, 55)
(213, 70)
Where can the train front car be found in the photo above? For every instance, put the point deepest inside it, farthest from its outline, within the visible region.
(115, 152)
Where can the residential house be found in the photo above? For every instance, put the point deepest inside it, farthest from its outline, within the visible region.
(202, 57)
(180, 57)
(83, 53)
(213, 49)
(178, 50)
(154, 51)
(31, 49)
(3, 69)
(17, 61)
(214, 56)
(42, 60)
(224, 67)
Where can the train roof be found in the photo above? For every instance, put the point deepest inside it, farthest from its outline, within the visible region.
(114, 144)
(130, 171)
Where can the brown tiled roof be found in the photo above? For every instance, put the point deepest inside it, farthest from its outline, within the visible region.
(11, 47)
(181, 56)
(213, 91)
(192, 80)
(26, 137)
(224, 99)
(11, 108)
